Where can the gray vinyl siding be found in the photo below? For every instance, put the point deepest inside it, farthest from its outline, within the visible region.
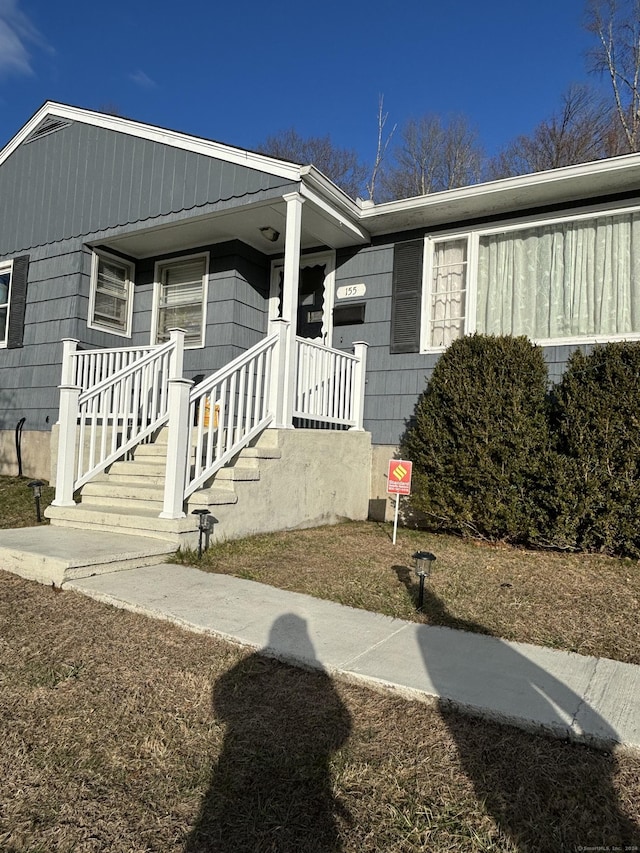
(84, 179)
(237, 304)
(57, 308)
(30, 375)
(79, 186)
(395, 381)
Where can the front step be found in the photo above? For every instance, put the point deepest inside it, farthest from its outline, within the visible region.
(133, 521)
(129, 498)
(49, 555)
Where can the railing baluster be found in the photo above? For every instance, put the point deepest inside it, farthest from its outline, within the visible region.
(240, 407)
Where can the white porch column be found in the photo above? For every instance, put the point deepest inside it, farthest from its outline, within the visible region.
(67, 427)
(290, 278)
(360, 351)
(276, 379)
(179, 431)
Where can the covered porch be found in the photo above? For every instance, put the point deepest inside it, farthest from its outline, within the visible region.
(113, 400)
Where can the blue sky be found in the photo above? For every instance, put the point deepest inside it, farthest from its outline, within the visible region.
(239, 71)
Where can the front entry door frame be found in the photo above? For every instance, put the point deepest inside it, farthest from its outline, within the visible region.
(326, 259)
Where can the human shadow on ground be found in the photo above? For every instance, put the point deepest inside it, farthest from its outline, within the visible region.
(545, 794)
(271, 788)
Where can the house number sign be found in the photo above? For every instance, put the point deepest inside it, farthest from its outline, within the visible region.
(348, 291)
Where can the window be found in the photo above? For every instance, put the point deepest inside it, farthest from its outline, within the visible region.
(5, 295)
(561, 281)
(111, 295)
(448, 292)
(181, 299)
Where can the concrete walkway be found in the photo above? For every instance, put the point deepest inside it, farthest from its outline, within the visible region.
(590, 700)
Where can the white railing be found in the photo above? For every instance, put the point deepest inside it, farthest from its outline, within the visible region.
(89, 367)
(329, 385)
(111, 401)
(228, 409)
(102, 422)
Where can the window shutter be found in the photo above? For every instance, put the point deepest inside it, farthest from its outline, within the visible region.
(406, 296)
(18, 301)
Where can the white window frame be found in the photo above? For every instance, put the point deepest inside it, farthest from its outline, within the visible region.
(92, 322)
(157, 289)
(473, 243)
(6, 266)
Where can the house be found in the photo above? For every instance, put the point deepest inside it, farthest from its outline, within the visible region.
(192, 310)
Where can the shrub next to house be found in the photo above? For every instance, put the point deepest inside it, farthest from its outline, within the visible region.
(596, 419)
(480, 441)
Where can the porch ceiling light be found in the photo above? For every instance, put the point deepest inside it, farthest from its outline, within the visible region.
(269, 233)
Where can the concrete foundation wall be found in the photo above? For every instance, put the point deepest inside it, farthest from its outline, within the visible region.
(381, 505)
(322, 477)
(36, 454)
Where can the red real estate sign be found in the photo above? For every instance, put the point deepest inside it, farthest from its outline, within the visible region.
(399, 477)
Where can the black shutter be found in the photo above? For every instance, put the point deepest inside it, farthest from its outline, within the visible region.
(18, 301)
(406, 296)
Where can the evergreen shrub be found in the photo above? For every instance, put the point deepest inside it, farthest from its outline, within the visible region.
(596, 421)
(480, 441)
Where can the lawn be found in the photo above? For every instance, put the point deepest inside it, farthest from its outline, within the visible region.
(584, 603)
(17, 507)
(126, 734)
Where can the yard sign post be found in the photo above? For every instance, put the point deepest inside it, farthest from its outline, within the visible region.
(398, 483)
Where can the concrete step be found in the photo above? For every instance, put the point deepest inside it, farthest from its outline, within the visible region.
(123, 494)
(146, 467)
(260, 453)
(237, 473)
(268, 438)
(124, 477)
(204, 498)
(49, 554)
(136, 521)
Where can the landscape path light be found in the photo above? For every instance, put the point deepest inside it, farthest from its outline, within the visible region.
(203, 527)
(36, 486)
(424, 563)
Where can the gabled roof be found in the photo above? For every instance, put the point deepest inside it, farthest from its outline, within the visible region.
(259, 162)
(511, 195)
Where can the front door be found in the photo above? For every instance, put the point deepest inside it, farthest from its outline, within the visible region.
(315, 296)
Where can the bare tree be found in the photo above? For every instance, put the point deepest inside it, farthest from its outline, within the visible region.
(616, 27)
(341, 165)
(433, 156)
(583, 129)
(381, 149)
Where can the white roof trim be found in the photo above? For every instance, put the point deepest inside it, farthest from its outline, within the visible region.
(342, 221)
(554, 178)
(259, 162)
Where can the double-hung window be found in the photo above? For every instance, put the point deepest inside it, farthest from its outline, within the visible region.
(181, 296)
(6, 268)
(111, 295)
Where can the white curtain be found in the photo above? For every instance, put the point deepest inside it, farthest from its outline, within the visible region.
(561, 280)
(448, 291)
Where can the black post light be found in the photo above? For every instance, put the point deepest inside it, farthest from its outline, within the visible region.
(424, 564)
(36, 486)
(203, 527)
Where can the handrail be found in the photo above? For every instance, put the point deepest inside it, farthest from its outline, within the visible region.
(229, 408)
(149, 357)
(121, 411)
(88, 367)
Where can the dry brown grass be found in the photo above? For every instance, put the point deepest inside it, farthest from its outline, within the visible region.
(17, 508)
(123, 734)
(579, 602)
